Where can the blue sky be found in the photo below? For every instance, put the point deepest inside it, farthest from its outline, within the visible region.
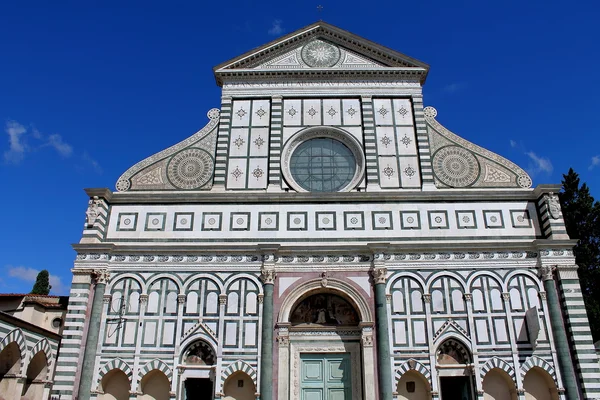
(89, 88)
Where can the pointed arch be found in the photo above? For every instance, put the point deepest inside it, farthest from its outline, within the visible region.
(155, 364)
(413, 365)
(535, 361)
(115, 363)
(16, 335)
(496, 362)
(236, 366)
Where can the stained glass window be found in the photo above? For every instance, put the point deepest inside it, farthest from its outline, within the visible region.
(322, 165)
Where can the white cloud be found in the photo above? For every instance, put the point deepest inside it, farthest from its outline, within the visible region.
(15, 131)
(89, 160)
(56, 141)
(540, 164)
(453, 87)
(595, 162)
(276, 28)
(29, 275)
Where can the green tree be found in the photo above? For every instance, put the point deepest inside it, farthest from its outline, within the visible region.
(42, 283)
(582, 219)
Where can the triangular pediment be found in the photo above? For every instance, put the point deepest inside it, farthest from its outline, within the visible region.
(321, 47)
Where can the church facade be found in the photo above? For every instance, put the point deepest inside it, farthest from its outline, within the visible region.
(324, 237)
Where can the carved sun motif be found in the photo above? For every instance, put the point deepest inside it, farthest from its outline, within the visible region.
(320, 54)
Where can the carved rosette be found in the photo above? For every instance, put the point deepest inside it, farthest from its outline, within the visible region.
(547, 272)
(102, 276)
(268, 276)
(379, 275)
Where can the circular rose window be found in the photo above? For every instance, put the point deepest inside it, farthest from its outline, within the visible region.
(323, 159)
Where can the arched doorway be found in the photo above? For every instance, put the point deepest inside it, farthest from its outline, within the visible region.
(325, 343)
(155, 386)
(454, 368)
(498, 385)
(114, 385)
(198, 374)
(239, 386)
(538, 385)
(37, 373)
(413, 386)
(10, 367)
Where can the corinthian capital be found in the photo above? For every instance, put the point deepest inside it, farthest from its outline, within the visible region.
(379, 275)
(547, 272)
(102, 276)
(268, 276)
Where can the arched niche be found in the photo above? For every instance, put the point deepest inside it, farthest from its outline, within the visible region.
(413, 386)
(453, 353)
(199, 353)
(538, 385)
(335, 287)
(37, 372)
(114, 386)
(498, 385)
(239, 386)
(155, 386)
(10, 368)
(324, 309)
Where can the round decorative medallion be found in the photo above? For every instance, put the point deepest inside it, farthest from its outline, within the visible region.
(455, 166)
(524, 181)
(190, 168)
(430, 112)
(320, 54)
(123, 185)
(213, 113)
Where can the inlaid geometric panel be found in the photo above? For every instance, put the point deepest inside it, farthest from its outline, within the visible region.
(311, 113)
(409, 172)
(438, 219)
(382, 220)
(268, 221)
(325, 220)
(211, 221)
(155, 221)
(493, 219)
(297, 221)
(520, 219)
(410, 220)
(388, 172)
(183, 221)
(354, 220)
(239, 221)
(127, 221)
(466, 220)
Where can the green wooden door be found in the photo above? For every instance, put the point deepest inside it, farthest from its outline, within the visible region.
(325, 377)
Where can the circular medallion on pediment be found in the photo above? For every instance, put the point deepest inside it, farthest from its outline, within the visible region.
(524, 181)
(319, 54)
(123, 185)
(190, 168)
(455, 166)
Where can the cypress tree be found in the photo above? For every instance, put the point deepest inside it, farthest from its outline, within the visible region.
(582, 219)
(42, 283)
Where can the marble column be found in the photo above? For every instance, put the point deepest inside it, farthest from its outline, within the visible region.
(383, 340)
(91, 347)
(560, 336)
(266, 361)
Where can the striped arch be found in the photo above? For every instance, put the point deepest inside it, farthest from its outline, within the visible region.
(116, 363)
(501, 364)
(16, 335)
(44, 346)
(239, 365)
(155, 364)
(535, 361)
(414, 365)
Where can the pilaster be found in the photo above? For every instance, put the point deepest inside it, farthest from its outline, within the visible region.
(370, 144)
(223, 143)
(275, 143)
